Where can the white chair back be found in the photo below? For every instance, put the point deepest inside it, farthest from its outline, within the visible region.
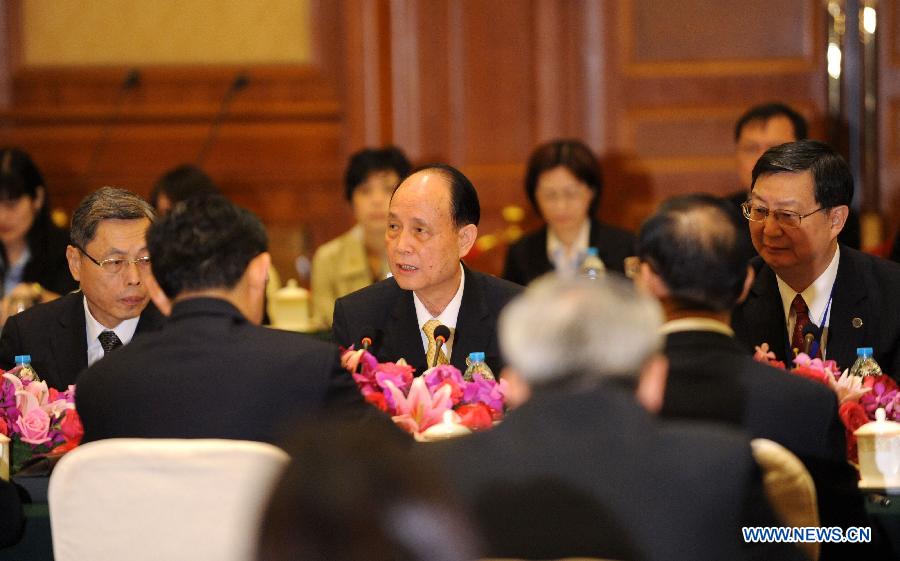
(161, 499)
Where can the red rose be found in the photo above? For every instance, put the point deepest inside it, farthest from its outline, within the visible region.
(377, 399)
(853, 415)
(71, 427)
(475, 416)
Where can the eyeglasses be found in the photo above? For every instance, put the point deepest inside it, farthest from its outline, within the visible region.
(115, 266)
(789, 218)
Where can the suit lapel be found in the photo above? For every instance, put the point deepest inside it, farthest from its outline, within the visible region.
(471, 335)
(402, 335)
(69, 341)
(849, 303)
(764, 315)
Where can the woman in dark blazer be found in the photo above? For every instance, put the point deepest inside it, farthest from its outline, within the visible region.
(32, 248)
(564, 183)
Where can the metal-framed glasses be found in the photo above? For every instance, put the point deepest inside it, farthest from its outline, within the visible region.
(116, 265)
(789, 218)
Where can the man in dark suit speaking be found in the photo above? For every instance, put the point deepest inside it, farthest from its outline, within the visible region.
(108, 257)
(432, 224)
(212, 371)
(807, 282)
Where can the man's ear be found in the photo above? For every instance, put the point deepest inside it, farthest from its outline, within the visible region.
(652, 283)
(651, 388)
(748, 283)
(39, 194)
(466, 238)
(73, 256)
(258, 271)
(837, 218)
(159, 298)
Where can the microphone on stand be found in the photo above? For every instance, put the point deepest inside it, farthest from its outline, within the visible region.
(240, 82)
(368, 340)
(441, 336)
(131, 80)
(810, 333)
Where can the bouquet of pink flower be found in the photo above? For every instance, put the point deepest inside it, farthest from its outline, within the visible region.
(416, 403)
(858, 397)
(37, 419)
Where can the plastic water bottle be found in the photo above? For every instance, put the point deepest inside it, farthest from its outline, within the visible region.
(865, 365)
(475, 363)
(592, 266)
(26, 372)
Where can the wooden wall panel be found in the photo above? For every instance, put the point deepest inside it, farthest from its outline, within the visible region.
(889, 112)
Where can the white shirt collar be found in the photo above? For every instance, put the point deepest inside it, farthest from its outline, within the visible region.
(567, 260)
(695, 324)
(447, 317)
(124, 331)
(815, 295)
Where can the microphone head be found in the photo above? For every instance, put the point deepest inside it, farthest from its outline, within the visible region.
(241, 81)
(370, 334)
(811, 329)
(132, 79)
(442, 332)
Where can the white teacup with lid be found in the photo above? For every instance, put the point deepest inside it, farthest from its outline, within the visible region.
(878, 445)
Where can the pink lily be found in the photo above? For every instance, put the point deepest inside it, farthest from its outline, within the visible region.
(420, 409)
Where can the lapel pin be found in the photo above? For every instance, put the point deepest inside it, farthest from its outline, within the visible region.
(857, 323)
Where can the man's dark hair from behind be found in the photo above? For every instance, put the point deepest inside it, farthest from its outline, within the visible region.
(831, 174)
(464, 206)
(693, 243)
(763, 113)
(204, 243)
(370, 160)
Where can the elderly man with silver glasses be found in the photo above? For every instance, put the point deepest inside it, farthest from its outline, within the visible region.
(812, 293)
(108, 257)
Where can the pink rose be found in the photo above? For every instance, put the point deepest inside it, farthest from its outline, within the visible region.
(33, 426)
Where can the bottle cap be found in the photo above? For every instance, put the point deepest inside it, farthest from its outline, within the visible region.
(865, 352)
(476, 357)
(592, 252)
(23, 359)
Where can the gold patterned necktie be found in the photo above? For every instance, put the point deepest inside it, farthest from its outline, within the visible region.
(428, 329)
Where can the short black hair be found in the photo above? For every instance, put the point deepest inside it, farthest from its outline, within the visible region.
(204, 243)
(694, 243)
(464, 206)
(181, 183)
(831, 174)
(369, 160)
(767, 111)
(575, 156)
(20, 176)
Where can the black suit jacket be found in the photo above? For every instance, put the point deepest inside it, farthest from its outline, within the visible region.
(55, 335)
(527, 259)
(386, 313)
(866, 288)
(801, 415)
(591, 474)
(209, 373)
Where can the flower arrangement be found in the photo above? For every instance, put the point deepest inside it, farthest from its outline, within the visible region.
(38, 420)
(417, 403)
(858, 397)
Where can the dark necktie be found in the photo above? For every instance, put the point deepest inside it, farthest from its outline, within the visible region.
(109, 341)
(801, 320)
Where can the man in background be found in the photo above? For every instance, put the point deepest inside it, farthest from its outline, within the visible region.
(108, 257)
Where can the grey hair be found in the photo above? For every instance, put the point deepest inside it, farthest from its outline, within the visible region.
(590, 329)
(106, 203)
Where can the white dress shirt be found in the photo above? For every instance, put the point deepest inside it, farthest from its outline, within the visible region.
(567, 259)
(447, 317)
(815, 295)
(124, 331)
